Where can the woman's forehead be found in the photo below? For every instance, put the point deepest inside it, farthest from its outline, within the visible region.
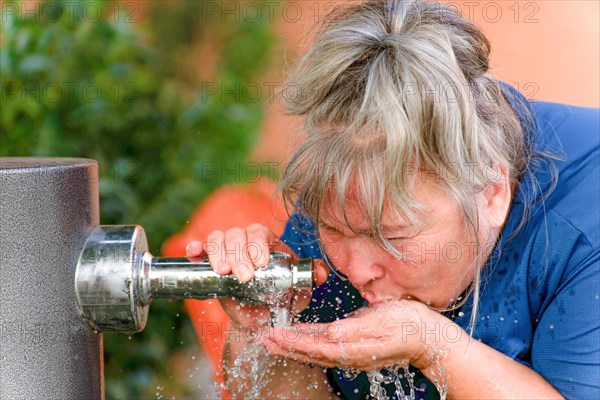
(354, 214)
(355, 209)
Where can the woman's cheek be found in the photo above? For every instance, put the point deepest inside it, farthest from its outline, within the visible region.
(334, 250)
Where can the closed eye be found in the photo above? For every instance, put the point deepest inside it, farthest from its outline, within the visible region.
(408, 235)
(398, 238)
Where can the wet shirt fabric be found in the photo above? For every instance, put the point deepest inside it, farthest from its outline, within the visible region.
(540, 296)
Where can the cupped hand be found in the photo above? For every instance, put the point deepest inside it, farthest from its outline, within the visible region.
(373, 337)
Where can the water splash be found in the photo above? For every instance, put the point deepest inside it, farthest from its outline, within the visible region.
(254, 367)
(250, 382)
(350, 374)
(440, 375)
(392, 375)
(402, 379)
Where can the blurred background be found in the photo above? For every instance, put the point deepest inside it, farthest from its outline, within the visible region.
(177, 101)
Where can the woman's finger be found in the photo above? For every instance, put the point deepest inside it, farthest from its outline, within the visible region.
(236, 243)
(309, 350)
(275, 350)
(365, 354)
(320, 272)
(260, 242)
(347, 330)
(216, 252)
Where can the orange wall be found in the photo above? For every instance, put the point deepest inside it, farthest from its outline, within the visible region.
(553, 46)
(549, 49)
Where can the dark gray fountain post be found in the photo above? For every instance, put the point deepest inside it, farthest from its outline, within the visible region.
(48, 207)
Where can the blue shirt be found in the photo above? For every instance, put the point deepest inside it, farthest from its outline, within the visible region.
(540, 294)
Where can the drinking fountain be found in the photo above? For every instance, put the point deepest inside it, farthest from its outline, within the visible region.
(65, 279)
(117, 278)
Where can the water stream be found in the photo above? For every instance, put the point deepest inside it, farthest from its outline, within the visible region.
(402, 379)
(251, 370)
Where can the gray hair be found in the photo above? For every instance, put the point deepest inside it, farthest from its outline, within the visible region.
(390, 88)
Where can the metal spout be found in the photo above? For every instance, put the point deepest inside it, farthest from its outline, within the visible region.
(117, 278)
(281, 284)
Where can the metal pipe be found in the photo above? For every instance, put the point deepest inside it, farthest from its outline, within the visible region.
(282, 283)
(179, 278)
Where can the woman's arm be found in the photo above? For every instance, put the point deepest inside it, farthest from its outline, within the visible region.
(477, 371)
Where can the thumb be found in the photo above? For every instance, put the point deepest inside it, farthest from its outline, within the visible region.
(320, 272)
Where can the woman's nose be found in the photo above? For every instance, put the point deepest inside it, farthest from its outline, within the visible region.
(363, 262)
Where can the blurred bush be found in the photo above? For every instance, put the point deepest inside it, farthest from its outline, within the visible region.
(121, 88)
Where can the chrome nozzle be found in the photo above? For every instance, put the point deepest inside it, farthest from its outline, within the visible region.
(117, 278)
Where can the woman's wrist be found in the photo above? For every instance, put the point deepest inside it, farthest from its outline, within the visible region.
(450, 354)
(437, 338)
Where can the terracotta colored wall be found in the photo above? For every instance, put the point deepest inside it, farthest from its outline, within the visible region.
(549, 49)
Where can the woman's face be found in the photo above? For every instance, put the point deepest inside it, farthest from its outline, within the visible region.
(439, 253)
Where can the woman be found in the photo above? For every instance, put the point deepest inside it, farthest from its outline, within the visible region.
(460, 219)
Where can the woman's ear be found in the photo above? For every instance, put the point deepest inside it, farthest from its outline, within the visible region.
(496, 198)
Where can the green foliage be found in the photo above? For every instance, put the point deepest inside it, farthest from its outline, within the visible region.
(122, 90)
